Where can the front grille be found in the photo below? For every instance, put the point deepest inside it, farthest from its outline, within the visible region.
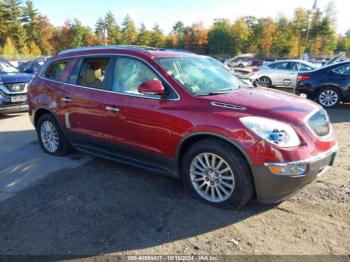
(16, 88)
(320, 124)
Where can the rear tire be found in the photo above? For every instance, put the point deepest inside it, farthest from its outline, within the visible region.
(51, 137)
(328, 97)
(201, 174)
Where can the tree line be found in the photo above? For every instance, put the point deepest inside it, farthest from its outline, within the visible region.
(25, 32)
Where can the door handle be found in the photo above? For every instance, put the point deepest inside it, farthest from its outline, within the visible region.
(112, 109)
(66, 100)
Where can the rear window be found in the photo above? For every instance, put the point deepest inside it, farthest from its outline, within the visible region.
(55, 70)
(343, 70)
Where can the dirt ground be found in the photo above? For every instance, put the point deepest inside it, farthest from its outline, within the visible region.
(100, 207)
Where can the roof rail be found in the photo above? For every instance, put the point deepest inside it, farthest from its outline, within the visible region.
(120, 47)
(178, 50)
(87, 48)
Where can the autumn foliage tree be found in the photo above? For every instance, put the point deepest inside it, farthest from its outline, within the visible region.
(25, 32)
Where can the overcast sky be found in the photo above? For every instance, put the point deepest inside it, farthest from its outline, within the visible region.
(167, 12)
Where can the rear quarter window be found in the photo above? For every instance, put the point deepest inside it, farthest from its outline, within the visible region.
(55, 70)
(343, 70)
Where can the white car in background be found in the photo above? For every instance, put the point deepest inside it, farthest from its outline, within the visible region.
(281, 73)
(241, 63)
(243, 60)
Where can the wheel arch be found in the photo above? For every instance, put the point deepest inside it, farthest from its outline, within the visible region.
(42, 111)
(191, 139)
(330, 85)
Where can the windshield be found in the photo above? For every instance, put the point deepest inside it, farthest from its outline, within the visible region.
(200, 75)
(7, 68)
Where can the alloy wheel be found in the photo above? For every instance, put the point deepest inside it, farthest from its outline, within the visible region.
(265, 82)
(49, 136)
(328, 98)
(212, 177)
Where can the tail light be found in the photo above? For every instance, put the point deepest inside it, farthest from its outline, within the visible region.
(303, 78)
(255, 69)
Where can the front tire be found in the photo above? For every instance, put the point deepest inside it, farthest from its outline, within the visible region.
(328, 97)
(265, 81)
(51, 137)
(216, 173)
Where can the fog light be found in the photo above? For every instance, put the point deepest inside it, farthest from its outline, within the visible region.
(288, 170)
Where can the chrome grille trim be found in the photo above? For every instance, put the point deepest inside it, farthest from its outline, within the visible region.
(319, 123)
(10, 89)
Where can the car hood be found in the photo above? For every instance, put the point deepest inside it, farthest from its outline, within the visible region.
(265, 102)
(9, 78)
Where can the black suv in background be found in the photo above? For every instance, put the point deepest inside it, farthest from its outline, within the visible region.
(328, 86)
(13, 88)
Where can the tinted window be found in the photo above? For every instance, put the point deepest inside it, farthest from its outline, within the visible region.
(281, 65)
(129, 74)
(303, 67)
(344, 70)
(93, 72)
(55, 70)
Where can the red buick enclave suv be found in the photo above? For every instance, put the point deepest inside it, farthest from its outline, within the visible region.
(182, 114)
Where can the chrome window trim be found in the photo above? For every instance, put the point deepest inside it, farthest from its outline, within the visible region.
(108, 91)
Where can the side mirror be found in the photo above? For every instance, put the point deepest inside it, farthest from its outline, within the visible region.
(152, 87)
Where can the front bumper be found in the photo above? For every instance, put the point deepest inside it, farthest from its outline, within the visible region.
(271, 188)
(9, 109)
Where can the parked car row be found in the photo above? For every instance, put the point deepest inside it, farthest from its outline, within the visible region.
(281, 73)
(328, 85)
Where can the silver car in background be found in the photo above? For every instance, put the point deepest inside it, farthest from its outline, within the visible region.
(281, 73)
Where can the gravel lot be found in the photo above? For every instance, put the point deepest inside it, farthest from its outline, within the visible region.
(86, 206)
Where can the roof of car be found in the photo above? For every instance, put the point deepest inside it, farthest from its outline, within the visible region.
(290, 60)
(144, 50)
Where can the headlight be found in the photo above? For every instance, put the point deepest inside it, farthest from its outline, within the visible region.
(275, 132)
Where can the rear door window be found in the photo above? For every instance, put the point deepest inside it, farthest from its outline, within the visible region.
(55, 70)
(297, 66)
(281, 66)
(93, 72)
